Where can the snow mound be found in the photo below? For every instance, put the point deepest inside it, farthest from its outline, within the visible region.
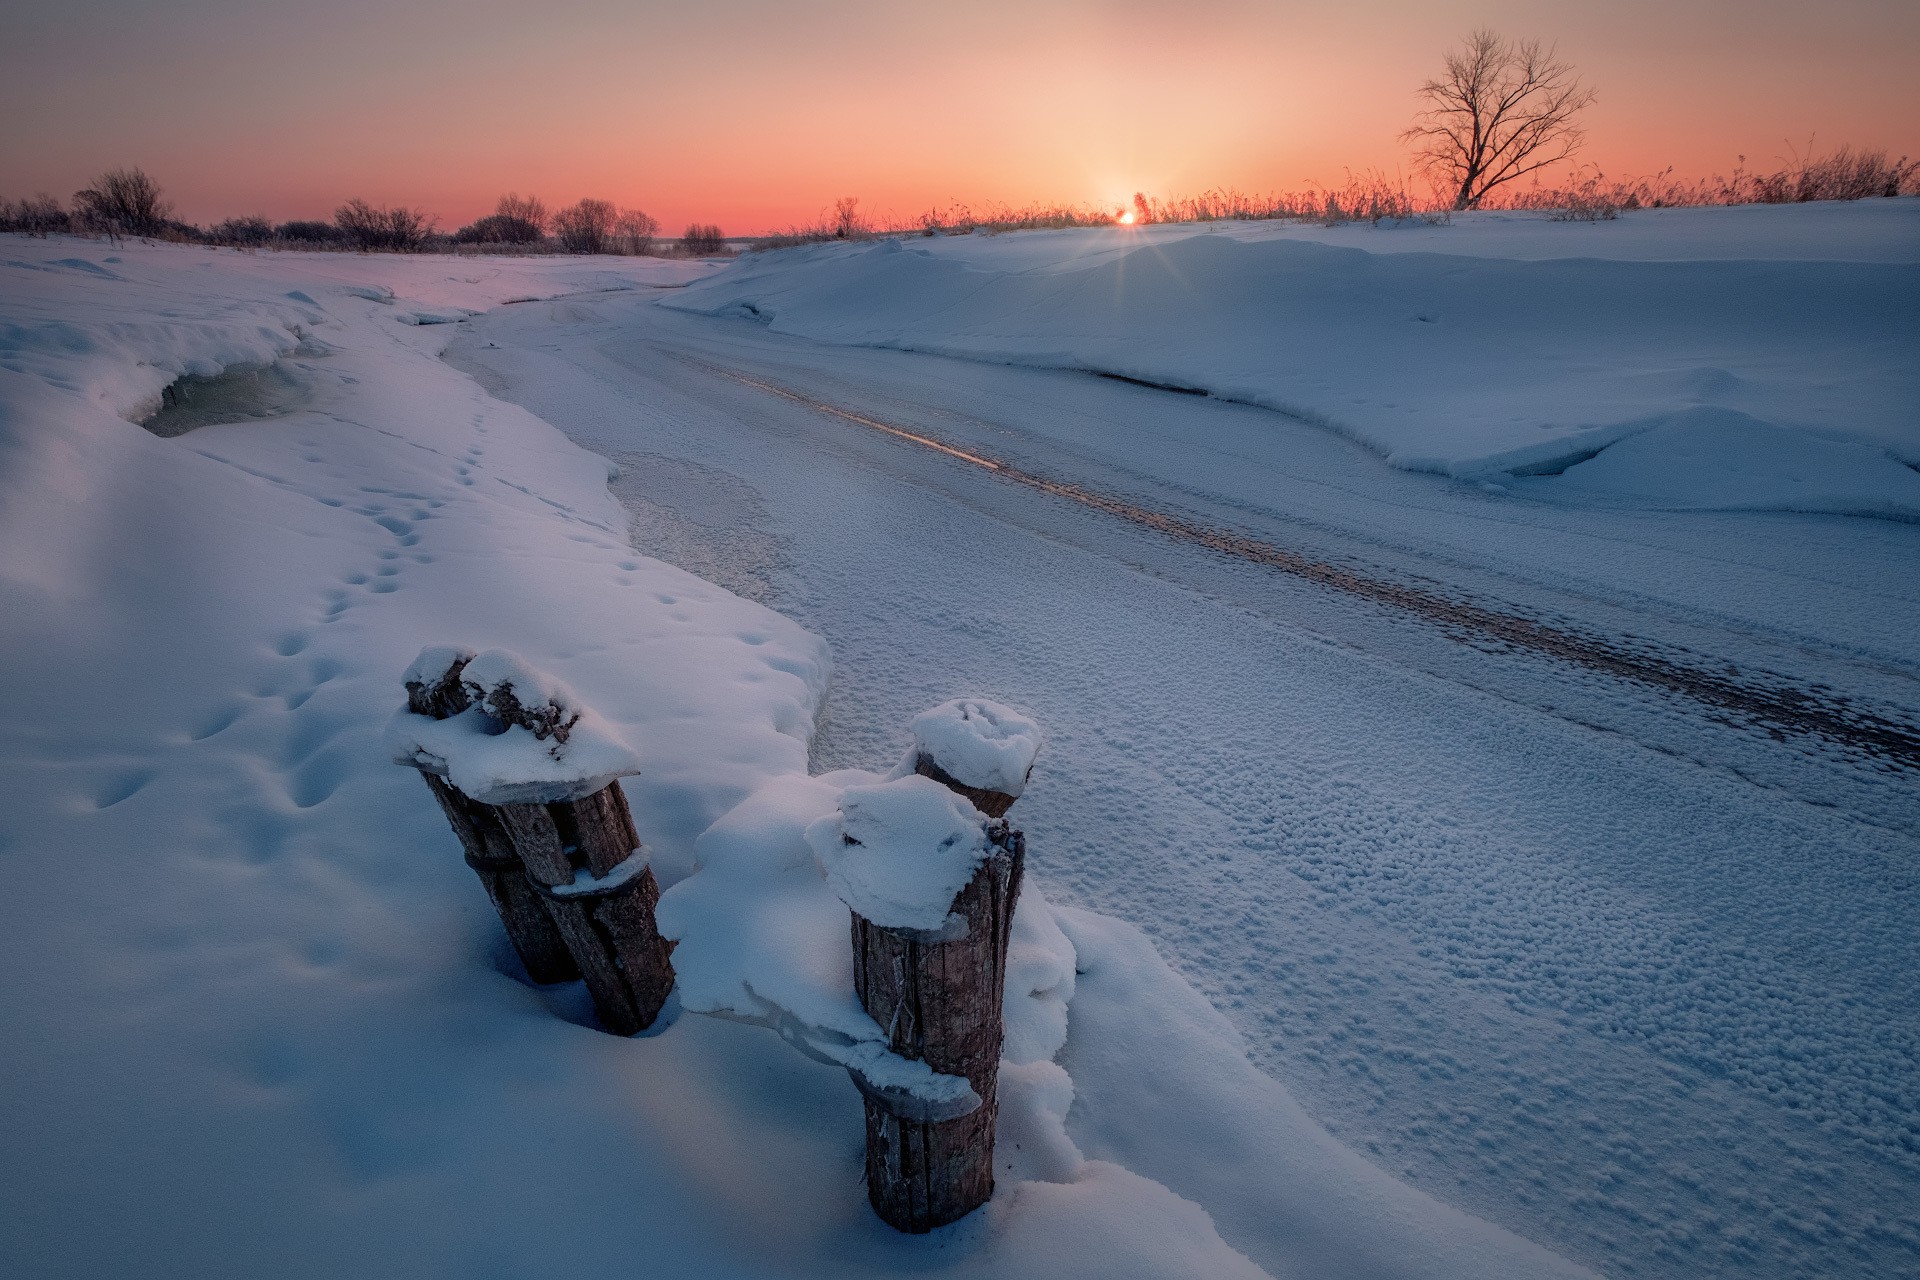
(977, 743)
(899, 853)
(762, 938)
(1721, 459)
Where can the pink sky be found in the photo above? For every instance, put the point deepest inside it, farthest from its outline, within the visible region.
(755, 114)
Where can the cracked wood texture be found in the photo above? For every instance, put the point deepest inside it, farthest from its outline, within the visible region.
(490, 852)
(612, 935)
(941, 1002)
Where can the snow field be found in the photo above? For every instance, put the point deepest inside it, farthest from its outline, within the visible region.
(1775, 370)
(261, 1019)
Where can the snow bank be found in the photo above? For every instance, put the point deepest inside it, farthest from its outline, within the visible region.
(763, 933)
(1492, 360)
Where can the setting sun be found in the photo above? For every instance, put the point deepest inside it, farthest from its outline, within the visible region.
(1126, 218)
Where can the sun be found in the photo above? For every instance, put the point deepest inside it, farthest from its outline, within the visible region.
(1126, 218)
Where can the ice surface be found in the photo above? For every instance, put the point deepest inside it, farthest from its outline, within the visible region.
(899, 853)
(978, 743)
(1498, 347)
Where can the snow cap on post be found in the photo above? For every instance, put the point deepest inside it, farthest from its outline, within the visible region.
(898, 853)
(504, 733)
(979, 744)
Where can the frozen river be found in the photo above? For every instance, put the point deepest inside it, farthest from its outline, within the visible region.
(1620, 960)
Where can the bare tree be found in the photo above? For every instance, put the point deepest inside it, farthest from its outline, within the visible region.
(524, 209)
(519, 219)
(1503, 110)
(585, 227)
(123, 202)
(847, 222)
(702, 239)
(401, 229)
(635, 231)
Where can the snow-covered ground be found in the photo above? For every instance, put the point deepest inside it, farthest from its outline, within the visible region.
(1560, 934)
(259, 1018)
(1747, 358)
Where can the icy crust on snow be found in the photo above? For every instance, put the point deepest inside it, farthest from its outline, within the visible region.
(900, 852)
(978, 743)
(763, 938)
(1492, 361)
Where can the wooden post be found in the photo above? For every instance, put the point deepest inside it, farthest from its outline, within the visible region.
(489, 848)
(939, 996)
(992, 803)
(607, 918)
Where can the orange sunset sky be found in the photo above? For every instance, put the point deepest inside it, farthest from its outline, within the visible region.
(755, 114)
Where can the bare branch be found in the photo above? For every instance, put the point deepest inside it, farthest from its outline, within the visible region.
(1502, 110)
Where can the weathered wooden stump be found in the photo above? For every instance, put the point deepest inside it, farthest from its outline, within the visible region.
(607, 917)
(556, 848)
(489, 848)
(938, 993)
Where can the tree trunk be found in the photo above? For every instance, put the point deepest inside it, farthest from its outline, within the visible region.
(941, 1002)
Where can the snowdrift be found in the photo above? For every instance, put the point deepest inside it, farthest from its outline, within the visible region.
(1758, 374)
(259, 1017)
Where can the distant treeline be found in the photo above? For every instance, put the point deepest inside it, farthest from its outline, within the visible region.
(128, 202)
(1587, 196)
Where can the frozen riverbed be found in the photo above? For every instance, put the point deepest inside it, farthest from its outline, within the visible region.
(1590, 957)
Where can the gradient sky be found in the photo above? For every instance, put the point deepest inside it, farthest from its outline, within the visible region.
(756, 114)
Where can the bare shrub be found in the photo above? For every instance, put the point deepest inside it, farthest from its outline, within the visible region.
(399, 229)
(492, 229)
(527, 212)
(304, 232)
(1502, 110)
(35, 215)
(1845, 174)
(122, 202)
(585, 227)
(702, 239)
(1365, 197)
(843, 222)
(249, 231)
(635, 231)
